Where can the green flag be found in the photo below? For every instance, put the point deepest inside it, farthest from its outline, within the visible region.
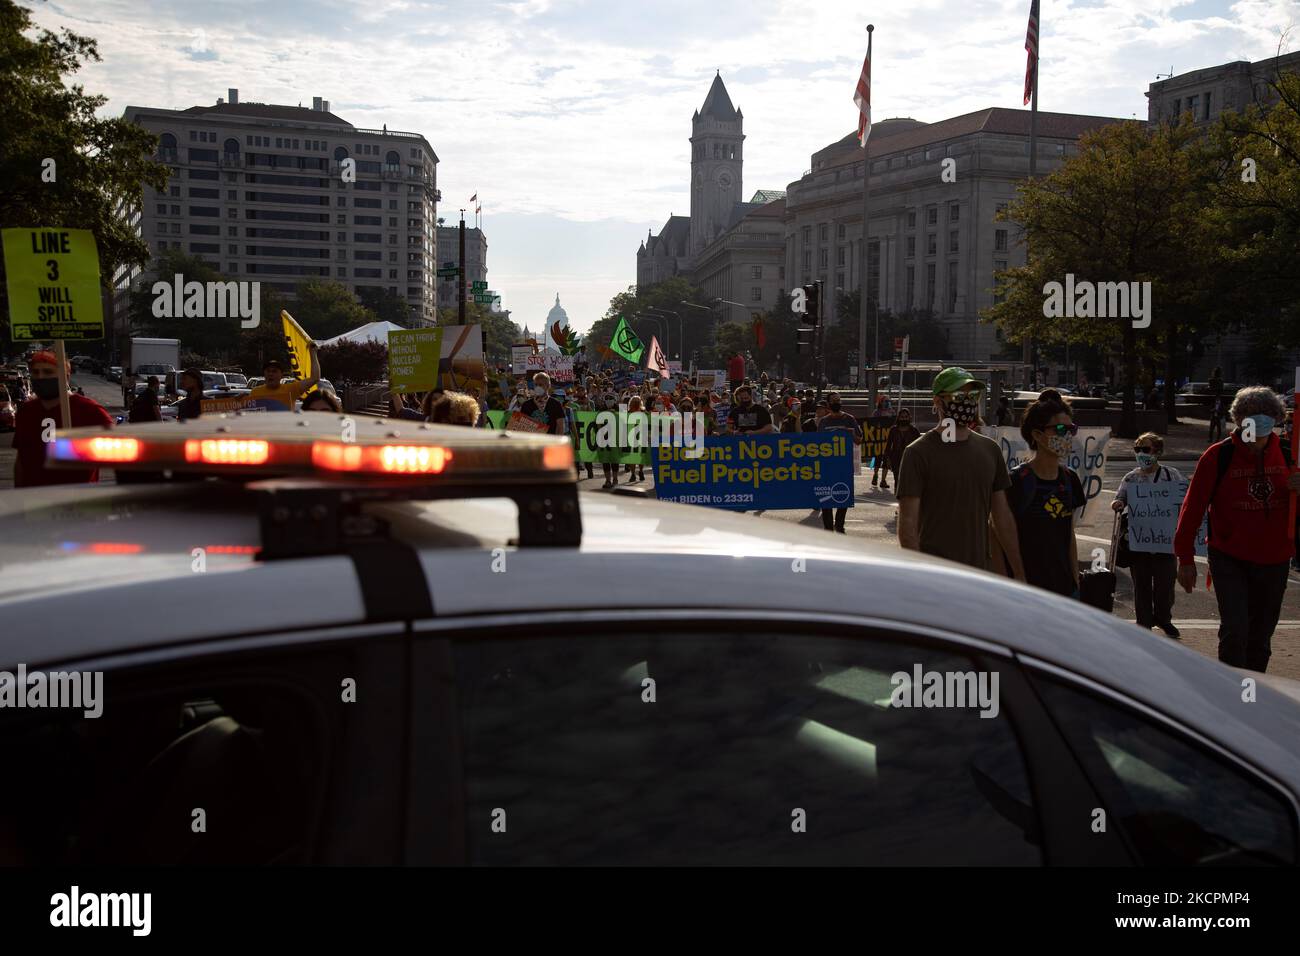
(625, 342)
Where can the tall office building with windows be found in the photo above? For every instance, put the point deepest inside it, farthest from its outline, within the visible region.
(260, 192)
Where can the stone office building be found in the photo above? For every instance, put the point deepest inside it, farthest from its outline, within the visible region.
(475, 263)
(257, 190)
(932, 244)
(730, 248)
(1207, 92)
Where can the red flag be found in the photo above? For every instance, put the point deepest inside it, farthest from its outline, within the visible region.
(862, 97)
(1031, 45)
(760, 334)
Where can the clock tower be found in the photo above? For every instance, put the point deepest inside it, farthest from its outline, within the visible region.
(717, 134)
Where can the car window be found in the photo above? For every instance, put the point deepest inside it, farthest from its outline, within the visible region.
(746, 733)
(248, 740)
(1177, 803)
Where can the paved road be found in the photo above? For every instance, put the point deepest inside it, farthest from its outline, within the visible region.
(874, 518)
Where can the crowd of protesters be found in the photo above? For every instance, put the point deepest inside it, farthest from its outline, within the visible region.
(957, 498)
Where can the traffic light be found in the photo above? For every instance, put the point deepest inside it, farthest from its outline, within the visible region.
(813, 297)
(803, 340)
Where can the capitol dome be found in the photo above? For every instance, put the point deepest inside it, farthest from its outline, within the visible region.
(557, 314)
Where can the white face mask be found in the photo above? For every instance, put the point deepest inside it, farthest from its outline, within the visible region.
(539, 391)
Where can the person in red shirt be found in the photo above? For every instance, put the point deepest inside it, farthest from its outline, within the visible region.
(29, 426)
(1250, 545)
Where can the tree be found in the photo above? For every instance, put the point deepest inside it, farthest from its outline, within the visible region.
(1257, 207)
(1130, 207)
(387, 306)
(688, 330)
(98, 163)
(325, 308)
(352, 363)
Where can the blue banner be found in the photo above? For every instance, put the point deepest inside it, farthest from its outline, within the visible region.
(758, 472)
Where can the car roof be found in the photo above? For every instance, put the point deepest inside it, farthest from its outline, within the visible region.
(120, 557)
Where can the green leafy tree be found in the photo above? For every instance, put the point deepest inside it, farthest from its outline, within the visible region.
(1257, 211)
(387, 306)
(352, 363)
(98, 163)
(325, 308)
(1129, 207)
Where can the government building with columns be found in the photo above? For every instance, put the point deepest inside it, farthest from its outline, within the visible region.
(933, 244)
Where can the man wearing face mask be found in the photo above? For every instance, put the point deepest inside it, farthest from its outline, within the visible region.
(948, 489)
(1247, 488)
(29, 465)
(542, 408)
(747, 416)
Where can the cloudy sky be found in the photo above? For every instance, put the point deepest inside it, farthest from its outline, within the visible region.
(570, 118)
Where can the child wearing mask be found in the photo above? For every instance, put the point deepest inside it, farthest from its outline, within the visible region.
(1153, 573)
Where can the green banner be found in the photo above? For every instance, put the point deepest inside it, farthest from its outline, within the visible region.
(625, 342)
(413, 356)
(604, 438)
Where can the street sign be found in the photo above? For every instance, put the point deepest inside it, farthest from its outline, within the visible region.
(53, 283)
(444, 273)
(478, 287)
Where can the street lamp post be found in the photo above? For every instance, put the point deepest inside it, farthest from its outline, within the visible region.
(656, 319)
(708, 309)
(681, 336)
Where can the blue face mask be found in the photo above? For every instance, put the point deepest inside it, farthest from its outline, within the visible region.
(1263, 425)
(1145, 461)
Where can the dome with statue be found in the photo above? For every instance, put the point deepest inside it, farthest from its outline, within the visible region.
(556, 315)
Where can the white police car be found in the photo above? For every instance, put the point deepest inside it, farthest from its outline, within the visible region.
(424, 646)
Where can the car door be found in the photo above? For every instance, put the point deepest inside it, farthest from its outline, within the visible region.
(279, 749)
(691, 738)
(1175, 798)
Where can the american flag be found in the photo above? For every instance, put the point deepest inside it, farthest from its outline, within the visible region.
(862, 97)
(1031, 45)
(474, 198)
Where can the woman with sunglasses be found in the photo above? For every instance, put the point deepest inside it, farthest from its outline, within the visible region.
(1045, 494)
(1154, 574)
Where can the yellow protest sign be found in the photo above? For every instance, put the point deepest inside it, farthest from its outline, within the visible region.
(298, 344)
(52, 276)
(413, 359)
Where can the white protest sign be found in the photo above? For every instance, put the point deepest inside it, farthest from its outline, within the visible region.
(519, 355)
(558, 367)
(1153, 517)
(1087, 458)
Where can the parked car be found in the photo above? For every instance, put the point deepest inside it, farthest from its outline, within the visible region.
(114, 373)
(7, 411)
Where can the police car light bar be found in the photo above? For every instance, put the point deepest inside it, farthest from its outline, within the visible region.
(310, 483)
(308, 443)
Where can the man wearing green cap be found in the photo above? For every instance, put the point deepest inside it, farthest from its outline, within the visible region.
(952, 479)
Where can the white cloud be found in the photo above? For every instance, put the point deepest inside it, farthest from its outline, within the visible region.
(579, 110)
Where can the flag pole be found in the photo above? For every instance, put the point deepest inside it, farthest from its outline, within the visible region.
(1031, 348)
(865, 284)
